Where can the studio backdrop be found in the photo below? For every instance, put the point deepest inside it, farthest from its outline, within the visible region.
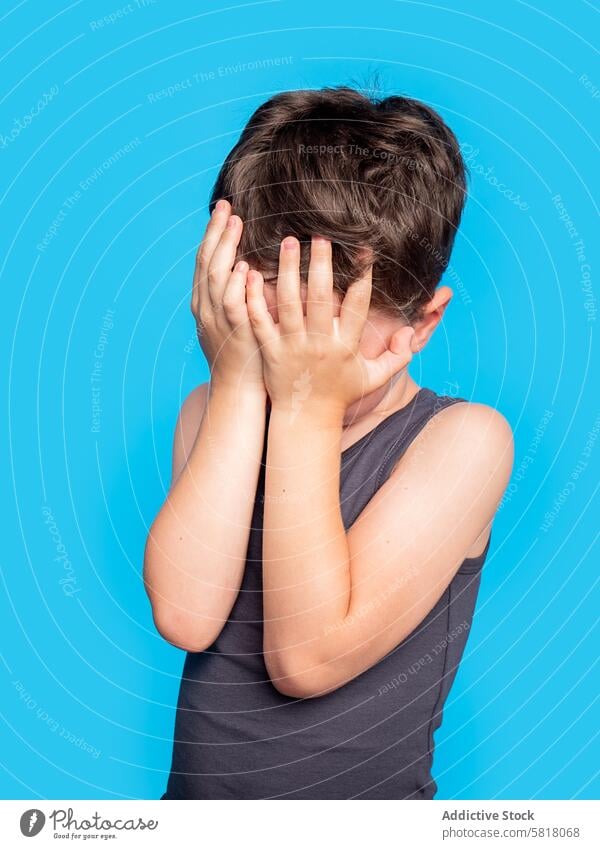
(114, 121)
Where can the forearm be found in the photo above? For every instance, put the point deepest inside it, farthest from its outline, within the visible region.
(306, 565)
(197, 545)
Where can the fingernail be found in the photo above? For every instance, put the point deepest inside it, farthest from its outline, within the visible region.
(289, 243)
(242, 266)
(232, 221)
(220, 205)
(319, 239)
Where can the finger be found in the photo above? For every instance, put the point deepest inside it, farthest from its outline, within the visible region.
(234, 297)
(215, 227)
(289, 303)
(393, 360)
(319, 307)
(260, 318)
(355, 308)
(223, 258)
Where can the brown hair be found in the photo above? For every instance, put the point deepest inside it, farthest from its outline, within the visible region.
(386, 174)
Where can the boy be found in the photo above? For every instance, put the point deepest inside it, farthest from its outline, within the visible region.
(319, 553)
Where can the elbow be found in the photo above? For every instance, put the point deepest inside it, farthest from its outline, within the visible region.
(299, 675)
(179, 627)
(182, 631)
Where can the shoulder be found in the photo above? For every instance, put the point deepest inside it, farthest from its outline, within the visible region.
(194, 405)
(446, 487)
(188, 424)
(479, 422)
(467, 435)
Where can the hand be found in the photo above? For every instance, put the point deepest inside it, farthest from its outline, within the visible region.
(219, 305)
(315, 364)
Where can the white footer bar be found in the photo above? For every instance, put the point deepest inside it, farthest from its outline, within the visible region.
(296, 825)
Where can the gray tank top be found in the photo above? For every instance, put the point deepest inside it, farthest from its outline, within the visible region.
(237, 737)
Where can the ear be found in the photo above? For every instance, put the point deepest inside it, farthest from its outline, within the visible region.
(432, 315)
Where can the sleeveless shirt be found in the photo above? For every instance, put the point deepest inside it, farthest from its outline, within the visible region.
(237, 737)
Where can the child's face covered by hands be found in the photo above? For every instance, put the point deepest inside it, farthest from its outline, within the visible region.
(311, 337)
(378, 329)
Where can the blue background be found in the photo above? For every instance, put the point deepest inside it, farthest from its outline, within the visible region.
(88, 686)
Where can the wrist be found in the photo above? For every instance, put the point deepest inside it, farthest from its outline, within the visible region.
(237, 390)
(303, 415)
(244, 403)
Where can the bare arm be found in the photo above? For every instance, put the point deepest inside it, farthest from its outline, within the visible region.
(196, 547)
(335, 603)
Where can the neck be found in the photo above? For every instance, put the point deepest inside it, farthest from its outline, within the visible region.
(382, 402)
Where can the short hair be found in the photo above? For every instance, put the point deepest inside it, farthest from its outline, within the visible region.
(365, 172)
